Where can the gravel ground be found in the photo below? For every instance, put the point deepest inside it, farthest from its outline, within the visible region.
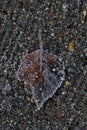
(64, 26)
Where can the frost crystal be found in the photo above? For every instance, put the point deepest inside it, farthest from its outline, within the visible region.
(43, 71)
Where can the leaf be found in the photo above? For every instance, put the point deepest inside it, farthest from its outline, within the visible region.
(44, 72)
(43, 83)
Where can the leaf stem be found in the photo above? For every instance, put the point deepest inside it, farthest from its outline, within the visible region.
(41, 47)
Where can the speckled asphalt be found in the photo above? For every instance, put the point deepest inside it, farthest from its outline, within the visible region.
(64, 26)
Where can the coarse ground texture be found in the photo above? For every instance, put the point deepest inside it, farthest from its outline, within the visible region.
(64, 27)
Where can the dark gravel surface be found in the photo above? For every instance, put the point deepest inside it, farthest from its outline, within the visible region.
(64, 26)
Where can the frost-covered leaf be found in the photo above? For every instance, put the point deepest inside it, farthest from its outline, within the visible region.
(43, 71)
